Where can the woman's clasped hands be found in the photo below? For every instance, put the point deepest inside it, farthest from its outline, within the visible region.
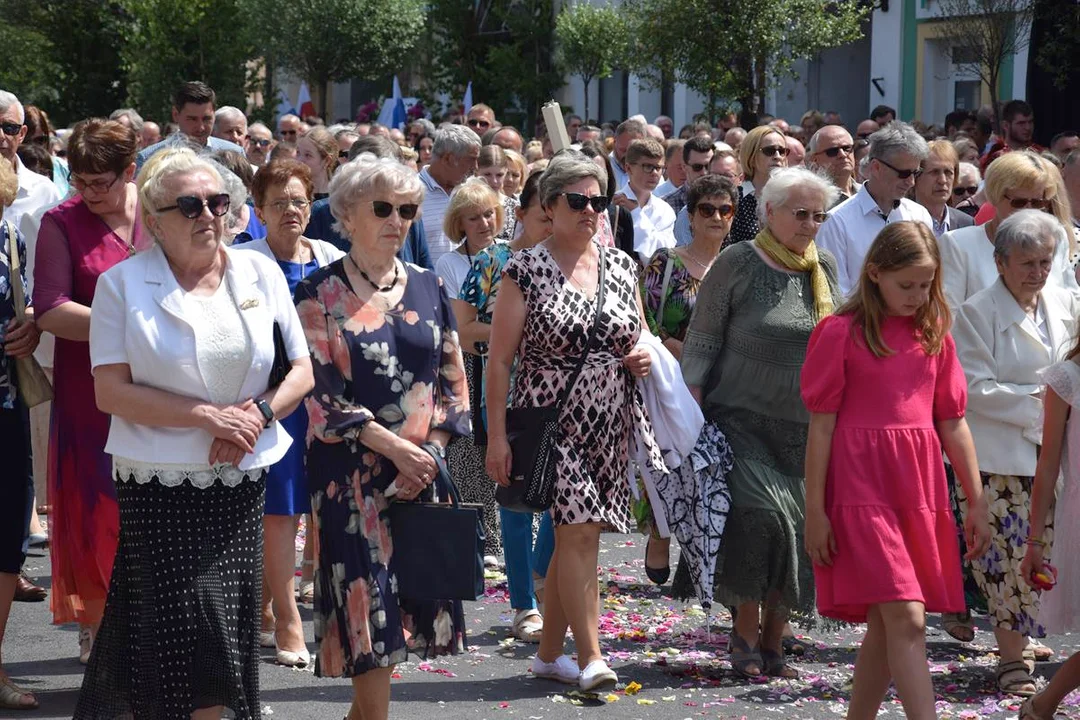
(236, 429)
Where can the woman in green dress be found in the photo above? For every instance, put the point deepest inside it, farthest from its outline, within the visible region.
(741, 358)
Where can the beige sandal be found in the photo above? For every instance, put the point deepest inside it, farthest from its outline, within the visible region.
(13, 697)
(528, 626)
(1013, 678)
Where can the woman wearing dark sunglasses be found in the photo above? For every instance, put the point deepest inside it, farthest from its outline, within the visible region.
(389, 391)
(547, 296)
(78, 241)
(182, 344)
(762, 152)
(669, 290)
(1015, 181)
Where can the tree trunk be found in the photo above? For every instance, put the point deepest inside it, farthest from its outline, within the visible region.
(320, 100)
(587, 81)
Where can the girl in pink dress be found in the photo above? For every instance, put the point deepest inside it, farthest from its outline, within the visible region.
(886, 392)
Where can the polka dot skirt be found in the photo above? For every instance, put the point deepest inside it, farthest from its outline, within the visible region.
(180, 630)
(745, 225)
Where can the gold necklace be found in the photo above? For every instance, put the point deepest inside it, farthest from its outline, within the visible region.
(697, 262)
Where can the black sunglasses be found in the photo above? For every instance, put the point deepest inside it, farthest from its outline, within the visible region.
(343, 154)
(707, 210)
(191, 207)
(577, 201)
(698, 167)
(959, 191)
(476, 122)
(259, 142)
(773, 150)
(11, 129)
(1021, 203)
(902, 174)
(382, 209)
(834, 151)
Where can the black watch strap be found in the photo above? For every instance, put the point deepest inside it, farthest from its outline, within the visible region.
(266, 410)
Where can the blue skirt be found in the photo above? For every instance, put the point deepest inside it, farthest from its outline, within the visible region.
(286, 481)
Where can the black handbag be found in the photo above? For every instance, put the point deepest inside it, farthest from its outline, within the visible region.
(281, 366)
(438, 546)
(532, 433)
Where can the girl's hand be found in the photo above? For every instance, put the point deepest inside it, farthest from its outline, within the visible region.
(498, 460)
(638, 361)
(1032, 563)
(977, 531)
(820, 542)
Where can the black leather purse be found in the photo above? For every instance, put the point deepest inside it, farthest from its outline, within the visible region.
(438, 546)
(281, 366)
(532, 433)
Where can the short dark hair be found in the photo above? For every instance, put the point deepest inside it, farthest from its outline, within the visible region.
(698, 143)
(1064, 135)
(708, 186)
(194, 92)
(1014, 108)
(531, 189)
(36, 159)
(672, 146)
(958, 117)
(98, 146)
(881, 111)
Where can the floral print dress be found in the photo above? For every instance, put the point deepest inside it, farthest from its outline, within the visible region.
(402, 369)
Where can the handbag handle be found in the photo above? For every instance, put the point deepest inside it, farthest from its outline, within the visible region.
(592, 331)
(18, 294)
(443, 480)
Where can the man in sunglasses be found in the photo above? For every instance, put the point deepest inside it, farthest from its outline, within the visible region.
(36, 192)
(480, 118)
(832, 151)
(288, 128)
(697, 153)
(453, 161)
(865, 129)
(230, 124)
(193, 111)
(893, 162)
(968, 182)
(260, 143)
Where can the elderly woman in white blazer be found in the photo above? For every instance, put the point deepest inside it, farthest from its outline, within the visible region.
(181, 347)
(283, 191)
(1005, 336)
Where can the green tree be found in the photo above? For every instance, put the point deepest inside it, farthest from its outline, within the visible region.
(1059, 51)
(592, 41)
(735, 50)
(325, 41)
(171, 42)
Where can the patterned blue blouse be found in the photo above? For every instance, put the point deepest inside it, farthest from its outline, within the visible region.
(7, 310)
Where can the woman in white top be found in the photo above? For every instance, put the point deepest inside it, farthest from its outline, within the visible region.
(283, 192)
(1014, 181)
(473, 219)
(181, 346)
(1006, 335)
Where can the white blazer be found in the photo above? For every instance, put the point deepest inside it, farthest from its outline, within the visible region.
(137, 319)
(1003, 357)
(324, 252)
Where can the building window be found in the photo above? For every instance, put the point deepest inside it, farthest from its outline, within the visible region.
(967, 94)
(964, 55)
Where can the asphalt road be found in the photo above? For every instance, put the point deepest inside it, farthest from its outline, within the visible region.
(651, 640)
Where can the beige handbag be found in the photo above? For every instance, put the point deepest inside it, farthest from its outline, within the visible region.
(34, 385)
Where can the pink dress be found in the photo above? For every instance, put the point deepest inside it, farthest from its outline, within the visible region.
(886, 494)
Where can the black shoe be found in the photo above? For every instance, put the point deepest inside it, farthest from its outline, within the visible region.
(657, 575)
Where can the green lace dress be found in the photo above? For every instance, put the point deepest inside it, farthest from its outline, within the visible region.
(745, 348)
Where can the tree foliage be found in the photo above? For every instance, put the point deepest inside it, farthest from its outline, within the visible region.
(1059, 51)
(592, 41)
(325, 41)
(735, 50)
(980, 34)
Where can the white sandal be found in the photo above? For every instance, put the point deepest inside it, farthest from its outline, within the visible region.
(528, 625)
(86, 644)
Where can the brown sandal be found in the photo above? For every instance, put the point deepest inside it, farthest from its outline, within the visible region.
(1027, 711)
(776, 666)
(1012, 686)
(742, 658)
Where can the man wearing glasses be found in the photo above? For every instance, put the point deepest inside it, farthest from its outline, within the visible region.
(654, 220)
(832, 151)
(480, 119)
(36, 192)
(893, 163)
(193, 112)
(288, 127)
(260, 143)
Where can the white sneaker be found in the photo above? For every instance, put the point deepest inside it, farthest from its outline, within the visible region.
(597, 675)
(565, 670)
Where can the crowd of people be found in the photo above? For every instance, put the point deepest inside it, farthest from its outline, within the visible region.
(837, 367)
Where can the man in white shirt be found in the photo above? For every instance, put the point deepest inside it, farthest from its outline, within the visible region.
(35, 191)
(892, 164)
(654, 220)
(627, 132)
(453, 160)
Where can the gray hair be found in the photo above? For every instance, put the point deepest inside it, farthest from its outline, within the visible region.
(238, 197)
(8, 101)
(161, 166)
(1028, 230)
(971, 168)
(228, 112)
(567, 168)
(454, 140)
(897, 137)
(631, 126)
(780, 184)
(131, 114)
(1072, 158)
(429, 127)
(254, 125)
(363, 177)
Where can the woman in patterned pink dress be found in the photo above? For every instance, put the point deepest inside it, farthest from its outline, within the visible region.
(879, 526)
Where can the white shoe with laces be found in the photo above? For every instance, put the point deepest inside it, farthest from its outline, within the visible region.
(565, 670)
(597, 675)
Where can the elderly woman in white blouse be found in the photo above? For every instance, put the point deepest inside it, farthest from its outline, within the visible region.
(181, 346)
(1005, 336)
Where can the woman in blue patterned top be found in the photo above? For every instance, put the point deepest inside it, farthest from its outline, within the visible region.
(526, 565)
(19, 341)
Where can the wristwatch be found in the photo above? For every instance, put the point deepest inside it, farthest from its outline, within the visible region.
(266, 410)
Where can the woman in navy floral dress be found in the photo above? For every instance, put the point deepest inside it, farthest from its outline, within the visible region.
(388, 379)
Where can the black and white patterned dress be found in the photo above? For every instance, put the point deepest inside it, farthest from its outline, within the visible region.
(605, 407)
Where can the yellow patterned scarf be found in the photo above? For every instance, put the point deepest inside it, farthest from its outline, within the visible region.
(807, 262)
